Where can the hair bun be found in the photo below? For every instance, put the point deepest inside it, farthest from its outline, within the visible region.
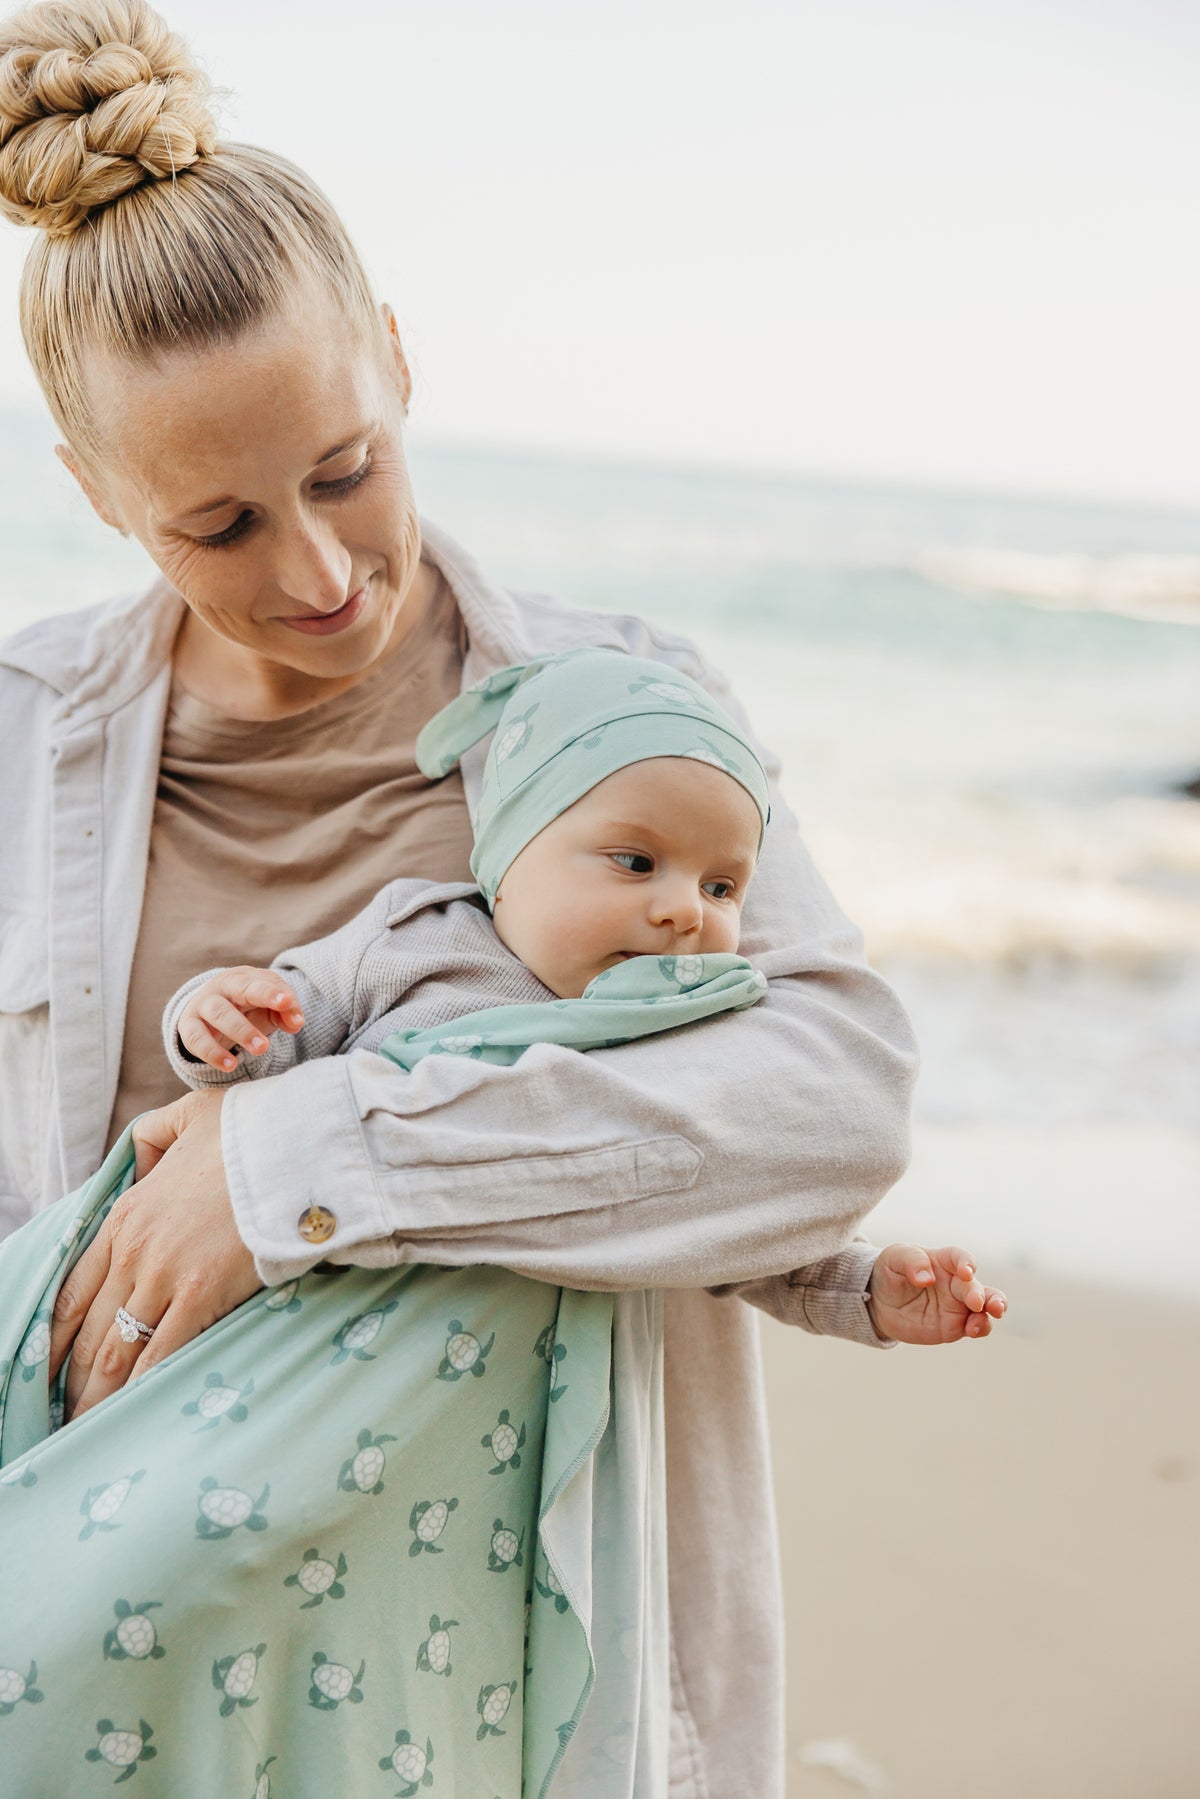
(96, 98)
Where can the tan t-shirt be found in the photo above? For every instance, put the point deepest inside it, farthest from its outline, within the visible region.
(269, 834)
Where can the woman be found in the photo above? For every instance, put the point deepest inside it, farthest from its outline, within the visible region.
(225, 764)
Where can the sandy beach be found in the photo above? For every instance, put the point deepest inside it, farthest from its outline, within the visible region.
(1001, 1600)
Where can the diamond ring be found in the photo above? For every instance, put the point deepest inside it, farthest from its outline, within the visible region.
(132, 1329)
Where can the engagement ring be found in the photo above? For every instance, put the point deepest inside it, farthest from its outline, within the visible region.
(132, 1328)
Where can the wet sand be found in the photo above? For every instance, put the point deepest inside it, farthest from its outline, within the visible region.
(991, 1553)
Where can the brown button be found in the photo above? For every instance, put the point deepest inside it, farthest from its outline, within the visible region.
(316, 1225)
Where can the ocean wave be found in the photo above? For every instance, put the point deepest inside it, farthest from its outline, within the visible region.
(1161, 588)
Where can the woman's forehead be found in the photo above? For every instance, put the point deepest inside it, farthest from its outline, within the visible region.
(276, 400)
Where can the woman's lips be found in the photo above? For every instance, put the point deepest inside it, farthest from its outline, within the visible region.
(328, 624)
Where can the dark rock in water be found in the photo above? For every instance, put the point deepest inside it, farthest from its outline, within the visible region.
(1191, 788)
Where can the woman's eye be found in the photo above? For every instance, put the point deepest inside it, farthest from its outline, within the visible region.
(348, 483)
(635, 863)
(240, 524)
(720, 890)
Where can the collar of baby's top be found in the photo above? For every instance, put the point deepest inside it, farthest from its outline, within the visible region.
(433, 894)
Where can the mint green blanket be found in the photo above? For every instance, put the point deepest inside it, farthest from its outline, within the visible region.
(377, 1531)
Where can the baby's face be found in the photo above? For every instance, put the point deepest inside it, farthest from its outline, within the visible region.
(654, 861)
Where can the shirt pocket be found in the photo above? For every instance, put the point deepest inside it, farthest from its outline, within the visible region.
(25, 1070)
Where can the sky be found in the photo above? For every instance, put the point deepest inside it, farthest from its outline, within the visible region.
(911, 240)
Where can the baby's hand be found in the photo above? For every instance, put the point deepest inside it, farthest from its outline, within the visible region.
(930, 1296)
(232, 1011)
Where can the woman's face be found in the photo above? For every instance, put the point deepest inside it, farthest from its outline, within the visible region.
(267, 480)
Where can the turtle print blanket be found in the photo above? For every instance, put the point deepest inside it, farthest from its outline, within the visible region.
(378, 1530)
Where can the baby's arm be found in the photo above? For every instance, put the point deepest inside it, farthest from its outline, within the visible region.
(903, 1294)
(307, 1001)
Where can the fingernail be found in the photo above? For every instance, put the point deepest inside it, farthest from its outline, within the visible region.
(258, 1044)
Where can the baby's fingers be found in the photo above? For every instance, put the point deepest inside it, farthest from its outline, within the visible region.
(260, 988)
(226, 1023)
(203, 1043)
(911, 1263)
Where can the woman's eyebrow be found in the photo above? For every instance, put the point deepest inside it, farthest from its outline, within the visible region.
(339, 449)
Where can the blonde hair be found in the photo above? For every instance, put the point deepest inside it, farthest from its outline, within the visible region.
(154, 235)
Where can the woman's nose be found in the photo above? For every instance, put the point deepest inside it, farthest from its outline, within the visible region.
(312, 565)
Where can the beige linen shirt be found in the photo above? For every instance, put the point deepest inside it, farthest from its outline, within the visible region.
(756, 1148)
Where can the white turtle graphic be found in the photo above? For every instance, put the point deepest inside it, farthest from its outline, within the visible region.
(551, 1588)
(216, 1401)
(552, 1353)
(99, 1505)
(234, 1676)
(262, 1780)
(358, 1332)
(18, 1474)
(465, 1354)
(427, 1521)
(492, 1706)
(410, 1763)
(363, 1472)
(225, 1509)
(688, 971)
(283, 1299)
(504, 1443)
(331, 1682)
(433, 1655)
(710, 754)
(133, 1636)
(122, 1749)
(35, 1348)
(505, 1549)
(318, 1578)
(460, 1043)
(515, 736)
(15, 1686)
(667, 690)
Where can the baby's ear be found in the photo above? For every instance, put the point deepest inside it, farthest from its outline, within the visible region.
(97, 498)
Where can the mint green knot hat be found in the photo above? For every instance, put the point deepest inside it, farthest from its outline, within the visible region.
(565, 723)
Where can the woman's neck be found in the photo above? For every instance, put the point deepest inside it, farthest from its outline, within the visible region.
(241, 684)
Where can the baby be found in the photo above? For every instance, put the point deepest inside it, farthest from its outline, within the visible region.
(620, 821)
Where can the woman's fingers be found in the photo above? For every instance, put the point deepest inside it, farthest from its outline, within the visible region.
(155, 1132)
(96, 1372)
(76, 1295)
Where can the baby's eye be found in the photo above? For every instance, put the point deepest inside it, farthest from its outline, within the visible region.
(636, 863)
(720, 890)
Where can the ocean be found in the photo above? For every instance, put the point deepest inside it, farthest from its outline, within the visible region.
(988, 709)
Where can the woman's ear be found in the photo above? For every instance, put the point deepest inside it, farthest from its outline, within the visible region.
(98, 500)
(403, 376)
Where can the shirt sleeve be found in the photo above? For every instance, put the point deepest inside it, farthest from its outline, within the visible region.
(736, 1150)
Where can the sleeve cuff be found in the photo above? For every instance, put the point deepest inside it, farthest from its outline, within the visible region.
(271, 1129)
(827, 1298)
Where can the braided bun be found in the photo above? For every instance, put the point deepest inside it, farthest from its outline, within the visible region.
(96, 99)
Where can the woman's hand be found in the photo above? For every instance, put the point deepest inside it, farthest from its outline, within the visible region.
(930, 1296)
(169, 1252)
